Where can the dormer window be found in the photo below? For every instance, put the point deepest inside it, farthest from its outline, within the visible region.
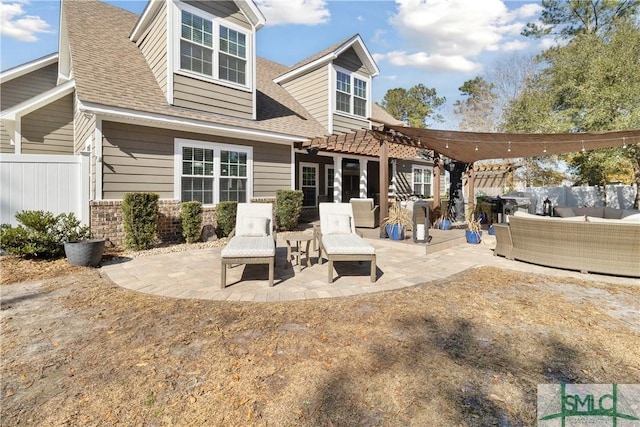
(351, 94)
(213, 48)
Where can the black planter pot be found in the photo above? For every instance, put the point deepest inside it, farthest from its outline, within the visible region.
(87, 253)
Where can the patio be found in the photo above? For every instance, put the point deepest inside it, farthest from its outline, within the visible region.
(195, 274)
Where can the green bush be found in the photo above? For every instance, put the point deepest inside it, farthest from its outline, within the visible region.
(41, 234)
(191, 218)
(140, 216)
(288, 208)
(226, 217)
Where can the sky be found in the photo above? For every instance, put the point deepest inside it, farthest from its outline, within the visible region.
(438, 43)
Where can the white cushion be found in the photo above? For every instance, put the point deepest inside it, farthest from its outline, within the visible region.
(633, 216)
(344, 244)
(252, 227)
(524, 214)
(249, 247)
(598, 219)
(337, 224)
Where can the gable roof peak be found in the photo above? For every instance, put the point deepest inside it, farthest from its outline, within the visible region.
(331, 53)
(248, 7)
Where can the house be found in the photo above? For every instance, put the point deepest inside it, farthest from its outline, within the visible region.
(177, 102)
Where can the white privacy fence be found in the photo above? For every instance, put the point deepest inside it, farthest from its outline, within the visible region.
(617, 196)
(54, 183)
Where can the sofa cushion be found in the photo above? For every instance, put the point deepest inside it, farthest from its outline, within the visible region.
(631, 216)
(563, 212)
(252, 226)
(599, 212)
(598, 219)
(337, 224)
(612, 213)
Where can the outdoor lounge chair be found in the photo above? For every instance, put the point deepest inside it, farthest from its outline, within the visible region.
(338, 238)
(252, 240)
(365, 213)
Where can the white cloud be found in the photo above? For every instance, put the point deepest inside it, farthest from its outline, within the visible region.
(305, 12)
(435, 62)
(455, 31)
(15, 23)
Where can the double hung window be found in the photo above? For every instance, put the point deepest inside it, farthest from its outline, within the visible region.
(211, 173)
(422, 181)
(211, 48)
(351, 94)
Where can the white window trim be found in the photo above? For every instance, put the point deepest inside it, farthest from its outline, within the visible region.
(334, 90)
(314, 166)
(426, 171)
(176, 25)
(216, 147)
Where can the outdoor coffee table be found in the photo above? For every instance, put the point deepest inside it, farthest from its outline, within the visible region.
(298, 239)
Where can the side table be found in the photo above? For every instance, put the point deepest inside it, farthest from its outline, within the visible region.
(298, 239)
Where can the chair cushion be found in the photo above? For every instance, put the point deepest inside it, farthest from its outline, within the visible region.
(252, 227)
(337, 224)
(249, 247)
(344, 244)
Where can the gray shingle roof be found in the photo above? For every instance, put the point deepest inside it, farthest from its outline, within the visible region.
(110, 70)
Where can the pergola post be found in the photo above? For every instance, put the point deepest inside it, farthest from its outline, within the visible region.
(437, 170)
(384, 185)
(471, 198)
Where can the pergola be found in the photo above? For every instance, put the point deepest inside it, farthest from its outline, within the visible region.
(396, 141)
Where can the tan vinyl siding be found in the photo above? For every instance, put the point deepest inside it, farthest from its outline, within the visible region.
(222, 9)
(27, 86)
(138, 158)
(83, 129)
(153, 45)
(350, 61)
(344, 124)
(5, 141)
(311, 90)
(49, 130)
(205, 96)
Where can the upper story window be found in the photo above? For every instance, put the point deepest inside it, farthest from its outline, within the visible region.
(213, 48)
(351, 94)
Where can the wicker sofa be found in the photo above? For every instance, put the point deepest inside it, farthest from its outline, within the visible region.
(601, 245)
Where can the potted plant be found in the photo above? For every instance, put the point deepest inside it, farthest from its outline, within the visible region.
(397, 221)
(474, 230)
(80, 248)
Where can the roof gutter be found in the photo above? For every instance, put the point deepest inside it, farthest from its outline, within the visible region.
(121, 115)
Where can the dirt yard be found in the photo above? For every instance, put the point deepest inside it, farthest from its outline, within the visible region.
(468, 351)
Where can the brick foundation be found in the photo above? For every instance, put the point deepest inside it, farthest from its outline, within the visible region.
(106, 220)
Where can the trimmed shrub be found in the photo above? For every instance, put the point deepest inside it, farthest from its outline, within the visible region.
(226, 217)
(140, 216)
(288, 208)
(191, 219)
(41, 234)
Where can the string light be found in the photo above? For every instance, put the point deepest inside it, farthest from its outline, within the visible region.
(447, 145)
(624, 142)
(509, 149)
(544, 150)
(476, 146)
(582, 146)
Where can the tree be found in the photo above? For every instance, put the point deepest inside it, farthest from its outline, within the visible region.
(569, 18)
(414, 106)
(477, 111)
(590, 84)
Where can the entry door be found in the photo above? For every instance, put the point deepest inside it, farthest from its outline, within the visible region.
(309, 184)
(350, 179)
